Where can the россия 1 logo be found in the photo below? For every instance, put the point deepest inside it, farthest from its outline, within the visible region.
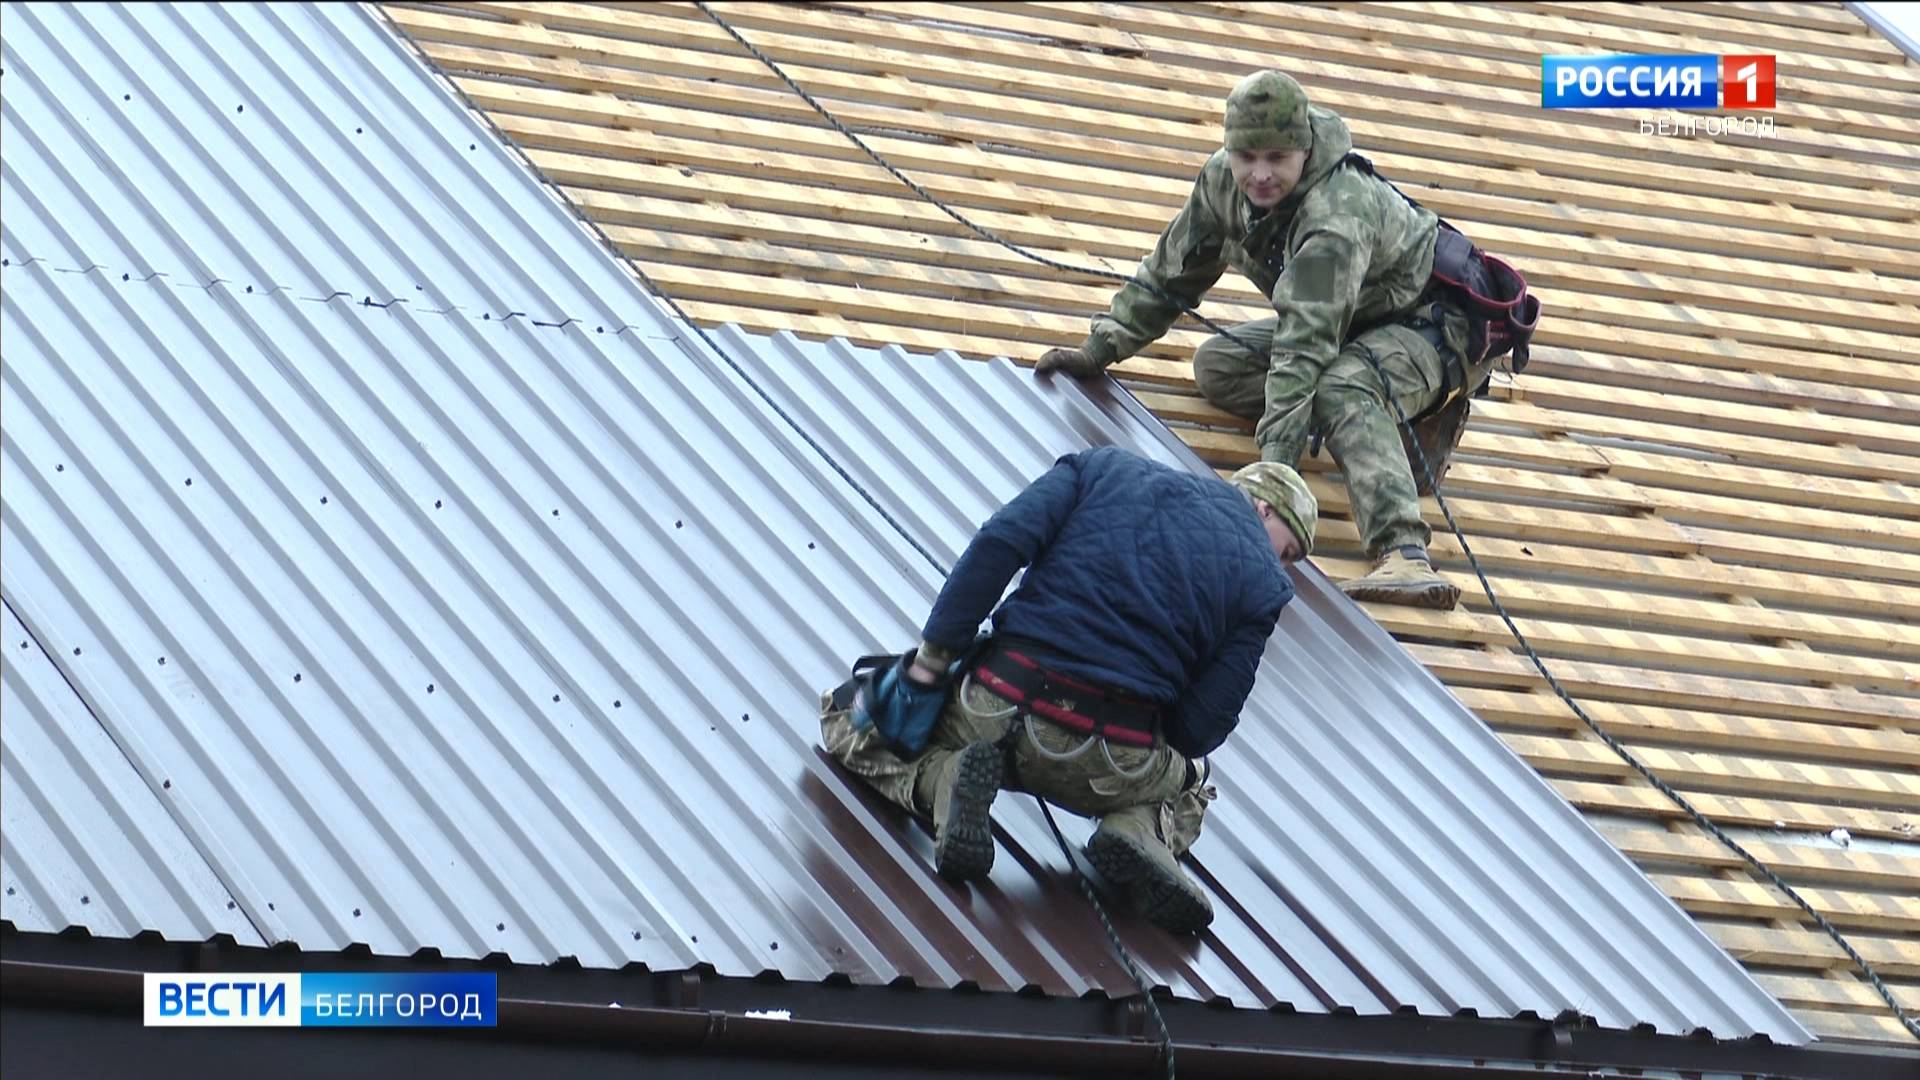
(1689, 81)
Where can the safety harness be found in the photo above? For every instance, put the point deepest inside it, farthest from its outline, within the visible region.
(1501, 319)
(1008, 669)
(1069, 702)
(1501, 313)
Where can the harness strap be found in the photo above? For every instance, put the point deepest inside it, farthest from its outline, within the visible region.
(1094, 710)
(1502, 314)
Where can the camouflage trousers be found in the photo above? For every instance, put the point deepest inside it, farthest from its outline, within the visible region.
(1346, 403)
(1083, 774)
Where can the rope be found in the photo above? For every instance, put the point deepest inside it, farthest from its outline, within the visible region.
(1113, 937)
(1615, 745)
(1612, 743)
(983, 233)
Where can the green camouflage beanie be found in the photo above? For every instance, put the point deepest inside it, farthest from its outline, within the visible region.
(1268, 111)
(1281, 488)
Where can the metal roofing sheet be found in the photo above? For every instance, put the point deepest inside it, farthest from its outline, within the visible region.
(488, 635)
(83, 839)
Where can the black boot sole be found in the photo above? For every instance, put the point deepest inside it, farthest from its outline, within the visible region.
(1172, 904)
(964, 851)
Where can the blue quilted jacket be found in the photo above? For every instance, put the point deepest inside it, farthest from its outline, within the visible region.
(1139, 577)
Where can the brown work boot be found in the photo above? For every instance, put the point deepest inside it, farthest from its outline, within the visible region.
(963, 812)
(1129, 853)
(1404, 576)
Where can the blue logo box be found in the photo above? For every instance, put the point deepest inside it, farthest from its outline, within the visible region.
(1690, 81)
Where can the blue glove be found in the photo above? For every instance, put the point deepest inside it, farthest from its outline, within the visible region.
(900, 708)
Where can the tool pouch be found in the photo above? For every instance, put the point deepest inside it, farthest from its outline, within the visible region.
(1501, 314)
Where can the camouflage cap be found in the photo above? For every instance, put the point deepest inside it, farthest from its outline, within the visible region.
(1281, 488)
(1268, 111)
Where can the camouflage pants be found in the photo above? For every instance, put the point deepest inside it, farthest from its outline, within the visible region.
(1346, 403)
(1087, 776)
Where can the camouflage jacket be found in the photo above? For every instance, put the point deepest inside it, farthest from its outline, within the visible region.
(1340, 254)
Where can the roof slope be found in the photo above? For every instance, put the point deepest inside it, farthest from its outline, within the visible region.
(493, 621)
(1700, 500)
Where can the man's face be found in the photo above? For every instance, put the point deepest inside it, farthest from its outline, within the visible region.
(1285, 544)
(1266, 176)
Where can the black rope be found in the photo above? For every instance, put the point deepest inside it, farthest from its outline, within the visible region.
(983, 233)
(1146, 992)
(1612, 743)
(1113, 936)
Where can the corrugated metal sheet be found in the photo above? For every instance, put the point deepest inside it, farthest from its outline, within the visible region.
(485, 635)
(86, 842)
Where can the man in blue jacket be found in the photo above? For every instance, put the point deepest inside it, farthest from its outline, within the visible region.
(1123, 659)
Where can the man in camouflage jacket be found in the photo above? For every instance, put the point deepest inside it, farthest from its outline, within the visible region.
(1347, 264)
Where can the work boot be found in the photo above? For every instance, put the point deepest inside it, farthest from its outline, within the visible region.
(1129, 853)
(1404, 576)
(963, 812)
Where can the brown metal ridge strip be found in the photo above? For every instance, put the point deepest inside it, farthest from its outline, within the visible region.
(1309, 1044)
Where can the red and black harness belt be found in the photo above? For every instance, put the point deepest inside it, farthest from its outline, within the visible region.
(1064, 700)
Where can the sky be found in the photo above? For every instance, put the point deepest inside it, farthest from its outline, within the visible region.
(1906, 16)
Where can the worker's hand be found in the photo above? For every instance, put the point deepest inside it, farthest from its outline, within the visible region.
(1074, 362)
(901, 708)
(919, 671)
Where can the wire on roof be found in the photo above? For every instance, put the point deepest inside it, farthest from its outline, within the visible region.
(1713, 829)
